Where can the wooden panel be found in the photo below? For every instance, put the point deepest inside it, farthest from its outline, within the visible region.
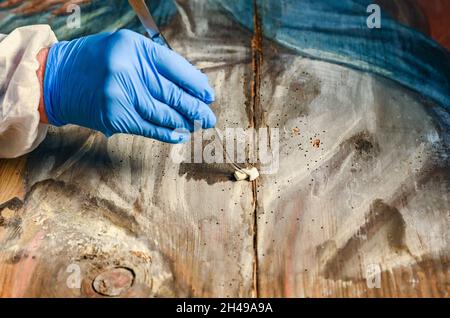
(123, 209)
(361, 189)
(359, 205)
(12, 179)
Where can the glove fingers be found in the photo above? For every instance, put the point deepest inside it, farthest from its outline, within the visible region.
(191, 107)
(162, 115)
(179, 71)
(163, 134)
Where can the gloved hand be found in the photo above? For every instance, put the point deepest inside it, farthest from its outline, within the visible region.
(122, 82)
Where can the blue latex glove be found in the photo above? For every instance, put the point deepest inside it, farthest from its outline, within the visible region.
(122, 82)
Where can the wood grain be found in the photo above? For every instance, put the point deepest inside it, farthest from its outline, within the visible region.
(12, 179)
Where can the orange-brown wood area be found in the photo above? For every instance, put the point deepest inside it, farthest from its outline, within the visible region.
(437, 13)
(428, 16)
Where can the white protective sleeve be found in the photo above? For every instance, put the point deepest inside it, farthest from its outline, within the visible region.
(20, 129)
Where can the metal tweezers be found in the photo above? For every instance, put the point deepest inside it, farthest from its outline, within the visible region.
(148, 22)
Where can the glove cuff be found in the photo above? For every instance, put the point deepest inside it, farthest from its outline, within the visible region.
(51, 87)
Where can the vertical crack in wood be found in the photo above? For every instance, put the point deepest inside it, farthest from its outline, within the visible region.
(256, 121)
(257, 60)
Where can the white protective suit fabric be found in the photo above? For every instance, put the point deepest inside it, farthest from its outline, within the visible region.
(20, 129)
